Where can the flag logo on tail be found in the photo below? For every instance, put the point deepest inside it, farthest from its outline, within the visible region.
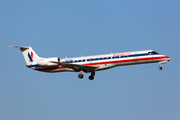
(30, 57)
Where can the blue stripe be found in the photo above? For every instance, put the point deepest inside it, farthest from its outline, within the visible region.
(113, 57)
(143, 54)
(30, 58)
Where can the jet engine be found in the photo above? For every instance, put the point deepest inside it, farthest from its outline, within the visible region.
(49, 62)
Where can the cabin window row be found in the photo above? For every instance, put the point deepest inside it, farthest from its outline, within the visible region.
(114, 57)
(95, 59)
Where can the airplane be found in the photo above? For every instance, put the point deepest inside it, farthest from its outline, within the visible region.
(90, 64)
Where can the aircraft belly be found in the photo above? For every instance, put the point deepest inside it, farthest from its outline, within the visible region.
(105, 66)
(53, 70)
(60, 70)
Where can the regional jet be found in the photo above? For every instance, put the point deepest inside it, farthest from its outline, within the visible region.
(90, 64)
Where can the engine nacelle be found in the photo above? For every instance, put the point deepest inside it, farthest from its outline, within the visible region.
(49, 62)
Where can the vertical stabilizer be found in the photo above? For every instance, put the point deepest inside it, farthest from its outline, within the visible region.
(29, 55)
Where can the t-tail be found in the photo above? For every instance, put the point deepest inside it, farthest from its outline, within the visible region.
(29, 55)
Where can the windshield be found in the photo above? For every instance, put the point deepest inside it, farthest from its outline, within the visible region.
(154, 52)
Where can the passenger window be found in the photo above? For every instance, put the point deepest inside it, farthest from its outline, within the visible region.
(92, 59)
(96, 59)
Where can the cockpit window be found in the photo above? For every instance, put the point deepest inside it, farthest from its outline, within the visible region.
(154, 52)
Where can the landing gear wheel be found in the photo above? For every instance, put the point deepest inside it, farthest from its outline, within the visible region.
(80, 76)
(91, 77)
(160, 68)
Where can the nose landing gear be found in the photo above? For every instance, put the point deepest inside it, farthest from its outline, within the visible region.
(162, 62)
(160, 68)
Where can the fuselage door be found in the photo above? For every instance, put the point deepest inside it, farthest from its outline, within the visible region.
(136, 58)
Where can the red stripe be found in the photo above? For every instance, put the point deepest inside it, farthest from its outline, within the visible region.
(110, 62)
(31, 56)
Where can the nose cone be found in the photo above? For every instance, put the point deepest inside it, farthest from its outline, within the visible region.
(168, 58)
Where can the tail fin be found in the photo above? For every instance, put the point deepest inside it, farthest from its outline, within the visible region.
(29, 55)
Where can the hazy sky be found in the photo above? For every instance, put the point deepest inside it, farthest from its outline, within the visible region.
(71, 28)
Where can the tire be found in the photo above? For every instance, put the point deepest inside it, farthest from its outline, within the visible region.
(80, 76)
(160, 68)
(91, 77)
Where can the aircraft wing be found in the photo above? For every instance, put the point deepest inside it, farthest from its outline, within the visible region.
(77, 66)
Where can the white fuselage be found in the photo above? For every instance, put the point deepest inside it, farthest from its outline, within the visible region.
(107, 61)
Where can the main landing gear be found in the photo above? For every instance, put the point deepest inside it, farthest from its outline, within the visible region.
(91, 77)
(80, 75)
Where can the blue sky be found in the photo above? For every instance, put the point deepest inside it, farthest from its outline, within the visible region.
(74, 28)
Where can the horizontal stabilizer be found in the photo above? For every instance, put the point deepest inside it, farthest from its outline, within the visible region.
(21, 48)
